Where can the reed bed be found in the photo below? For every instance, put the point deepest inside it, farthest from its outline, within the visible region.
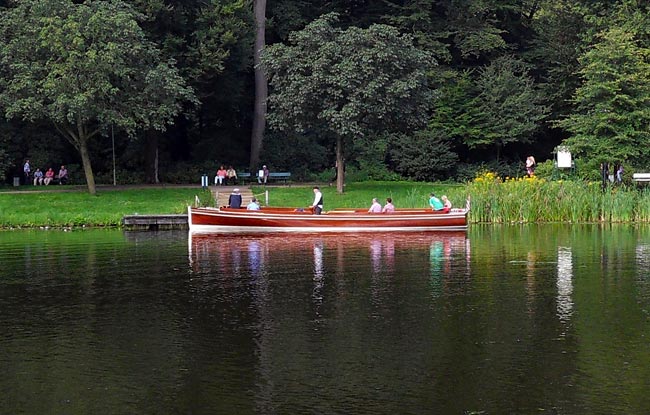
(528, 200)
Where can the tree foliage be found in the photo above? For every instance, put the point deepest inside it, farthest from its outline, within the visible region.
(612, 117)
(348, 83)
(508, 107)
(60, 63)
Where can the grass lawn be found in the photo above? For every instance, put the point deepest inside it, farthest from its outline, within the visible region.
(75, 207)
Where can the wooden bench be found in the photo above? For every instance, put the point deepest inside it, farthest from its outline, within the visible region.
(244, 177)
(641, 177)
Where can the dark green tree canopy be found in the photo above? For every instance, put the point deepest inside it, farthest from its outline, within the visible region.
(60, 62)
(348, 83)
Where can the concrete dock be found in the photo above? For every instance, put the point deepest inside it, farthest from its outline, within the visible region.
(155, 222)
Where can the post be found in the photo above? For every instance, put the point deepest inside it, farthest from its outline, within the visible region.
(113, 140)
(204, 181)
(266, 197)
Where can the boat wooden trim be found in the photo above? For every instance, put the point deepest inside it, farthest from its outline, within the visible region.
(296, 220)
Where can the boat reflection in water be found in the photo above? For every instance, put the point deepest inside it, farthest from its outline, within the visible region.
(328, 254)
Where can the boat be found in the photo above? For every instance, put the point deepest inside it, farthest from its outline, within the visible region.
(297, 220)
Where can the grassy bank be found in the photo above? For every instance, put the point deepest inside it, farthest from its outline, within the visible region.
(493, 201)
(78, 208)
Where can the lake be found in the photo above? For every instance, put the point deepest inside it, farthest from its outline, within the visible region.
(503, 319)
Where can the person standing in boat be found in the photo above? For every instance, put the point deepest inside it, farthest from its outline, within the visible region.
(234, 201)
(317, 206)
(375, 207)
(435, 203)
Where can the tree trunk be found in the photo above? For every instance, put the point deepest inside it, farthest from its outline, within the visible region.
(261, 86)
(340, 165)
(151, 157)
(85, 161)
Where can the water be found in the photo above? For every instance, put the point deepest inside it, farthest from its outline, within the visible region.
(532, 319)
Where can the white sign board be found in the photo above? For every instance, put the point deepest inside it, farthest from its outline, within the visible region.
(563, 159)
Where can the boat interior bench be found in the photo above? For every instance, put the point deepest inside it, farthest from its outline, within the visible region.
(641, 177)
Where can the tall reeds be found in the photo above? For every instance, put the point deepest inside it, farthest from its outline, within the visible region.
(526, 200)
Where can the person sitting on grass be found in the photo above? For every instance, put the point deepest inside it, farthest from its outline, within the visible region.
(435, 203)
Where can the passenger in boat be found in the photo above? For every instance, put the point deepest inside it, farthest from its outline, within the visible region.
(446, 203)
(375, 207)
(388, 207)
(253, 205)
(435, 203)
(317, 206)
(234, 201)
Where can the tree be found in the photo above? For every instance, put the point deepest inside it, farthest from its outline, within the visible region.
(507, 108)
(425, 155)
(612, 116)
(348, 83)
(261, 85)
(85, 67)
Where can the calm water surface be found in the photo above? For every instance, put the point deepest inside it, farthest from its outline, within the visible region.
(534, 319)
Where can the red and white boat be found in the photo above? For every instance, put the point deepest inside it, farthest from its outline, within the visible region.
(278, 219)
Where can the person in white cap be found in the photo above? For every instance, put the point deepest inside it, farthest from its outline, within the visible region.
(234, 201)
(263, 175)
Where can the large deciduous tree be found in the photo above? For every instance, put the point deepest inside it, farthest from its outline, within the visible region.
(85, 67)
(351, 83)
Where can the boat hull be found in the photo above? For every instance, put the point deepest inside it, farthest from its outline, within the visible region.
(279, 220)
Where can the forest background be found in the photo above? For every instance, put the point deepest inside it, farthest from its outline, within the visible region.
(412, 89)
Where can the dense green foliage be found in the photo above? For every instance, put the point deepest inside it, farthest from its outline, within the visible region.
(62, 64)
(351, 85)
(416, 89)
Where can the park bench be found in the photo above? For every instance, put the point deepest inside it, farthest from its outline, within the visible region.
(641, 177)
(280, 176)
(275, 176)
